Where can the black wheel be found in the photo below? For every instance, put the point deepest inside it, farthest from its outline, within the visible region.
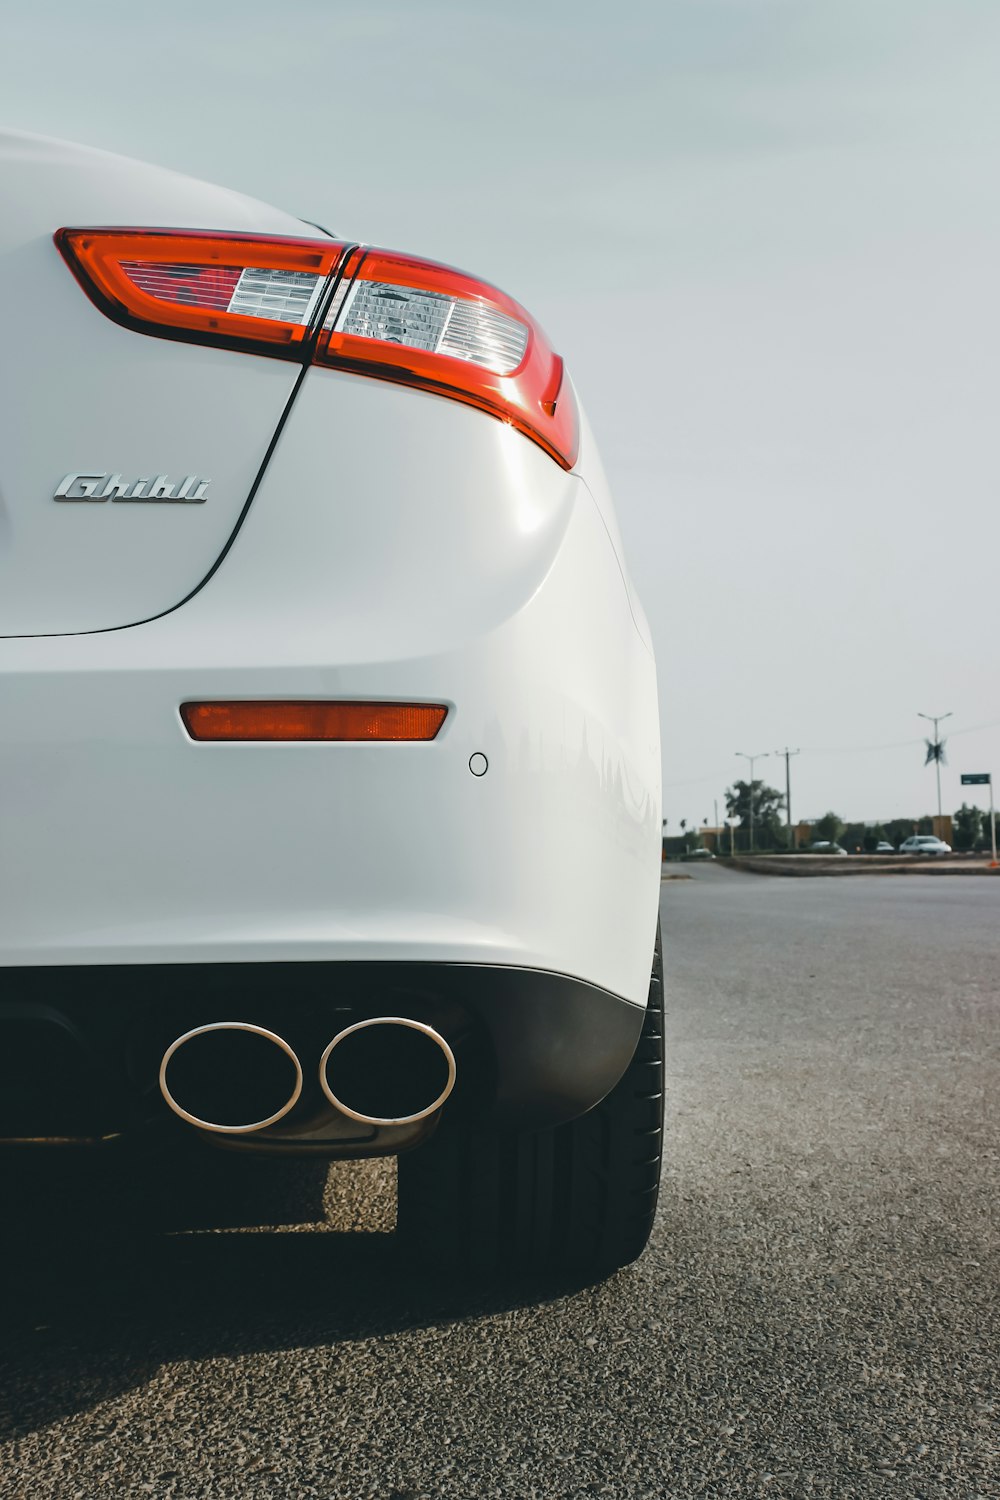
(579, 1197)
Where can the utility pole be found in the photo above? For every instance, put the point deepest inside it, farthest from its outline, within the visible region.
(788, 791)
(937, 749)
(760, 755)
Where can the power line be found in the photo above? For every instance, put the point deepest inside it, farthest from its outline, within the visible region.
(890, 744)
(697, 781)
(724, 775)
(861, 749)
(993, 724)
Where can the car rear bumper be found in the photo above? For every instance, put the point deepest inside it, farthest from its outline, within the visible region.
(81, 1047)
(138, 862)
(124, 841)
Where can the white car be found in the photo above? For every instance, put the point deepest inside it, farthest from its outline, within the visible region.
(924, 843)
(331, 806)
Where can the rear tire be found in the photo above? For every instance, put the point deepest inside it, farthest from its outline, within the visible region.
(579, 1197)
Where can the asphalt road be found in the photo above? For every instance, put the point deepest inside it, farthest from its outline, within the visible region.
(816, 1315)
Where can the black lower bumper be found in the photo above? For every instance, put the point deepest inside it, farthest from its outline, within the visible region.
(80, 1047)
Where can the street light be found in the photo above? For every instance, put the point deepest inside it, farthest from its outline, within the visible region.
(760, 755)
(936, 719)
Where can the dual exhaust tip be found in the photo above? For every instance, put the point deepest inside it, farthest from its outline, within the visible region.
(233, 1078)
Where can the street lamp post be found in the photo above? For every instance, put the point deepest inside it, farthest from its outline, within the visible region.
(760, 755)
(936, 719)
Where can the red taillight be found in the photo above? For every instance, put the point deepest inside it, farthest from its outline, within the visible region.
(259, 293)
(428, 325)
(313, 721)
(372, 312)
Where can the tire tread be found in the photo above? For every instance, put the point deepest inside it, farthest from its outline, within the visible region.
(581, 1196)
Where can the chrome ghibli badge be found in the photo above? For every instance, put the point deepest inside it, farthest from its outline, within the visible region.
(156, 491)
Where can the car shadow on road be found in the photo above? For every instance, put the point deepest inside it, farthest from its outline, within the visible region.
(110, 1272)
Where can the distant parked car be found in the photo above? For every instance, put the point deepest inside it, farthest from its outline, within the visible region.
(882, 847)
(824, 846)
(700, 853)
(924, 843)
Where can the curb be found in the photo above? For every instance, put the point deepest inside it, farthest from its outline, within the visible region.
(804, 866)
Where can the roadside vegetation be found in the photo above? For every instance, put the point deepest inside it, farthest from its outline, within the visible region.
(970, 828)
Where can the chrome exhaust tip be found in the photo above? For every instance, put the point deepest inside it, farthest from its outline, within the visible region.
(387, 1071)
(243, 1076)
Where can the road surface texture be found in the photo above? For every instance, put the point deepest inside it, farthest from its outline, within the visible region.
(815, 1315)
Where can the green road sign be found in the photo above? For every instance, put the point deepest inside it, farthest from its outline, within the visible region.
(976, 778)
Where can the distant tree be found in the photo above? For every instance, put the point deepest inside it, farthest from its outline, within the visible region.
(767, 806)
(853, 837)
(968, 824)
(830, 826)
(873, 837)
(898, 829)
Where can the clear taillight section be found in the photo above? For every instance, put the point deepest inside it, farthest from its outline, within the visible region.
(419, 323)
(371, 312)
(438, 324)
(290, 296)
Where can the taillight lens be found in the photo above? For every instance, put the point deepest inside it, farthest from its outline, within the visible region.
(423, 324)
(259, 293)
(372, 312)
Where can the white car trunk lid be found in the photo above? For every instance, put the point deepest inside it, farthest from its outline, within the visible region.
(126, 461)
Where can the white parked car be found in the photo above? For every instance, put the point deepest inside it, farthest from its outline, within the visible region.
(924, 843)
(329, 727)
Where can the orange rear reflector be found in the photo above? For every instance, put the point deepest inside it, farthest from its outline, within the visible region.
(313, 721)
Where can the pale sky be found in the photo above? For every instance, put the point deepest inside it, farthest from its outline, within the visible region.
(765, 234)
